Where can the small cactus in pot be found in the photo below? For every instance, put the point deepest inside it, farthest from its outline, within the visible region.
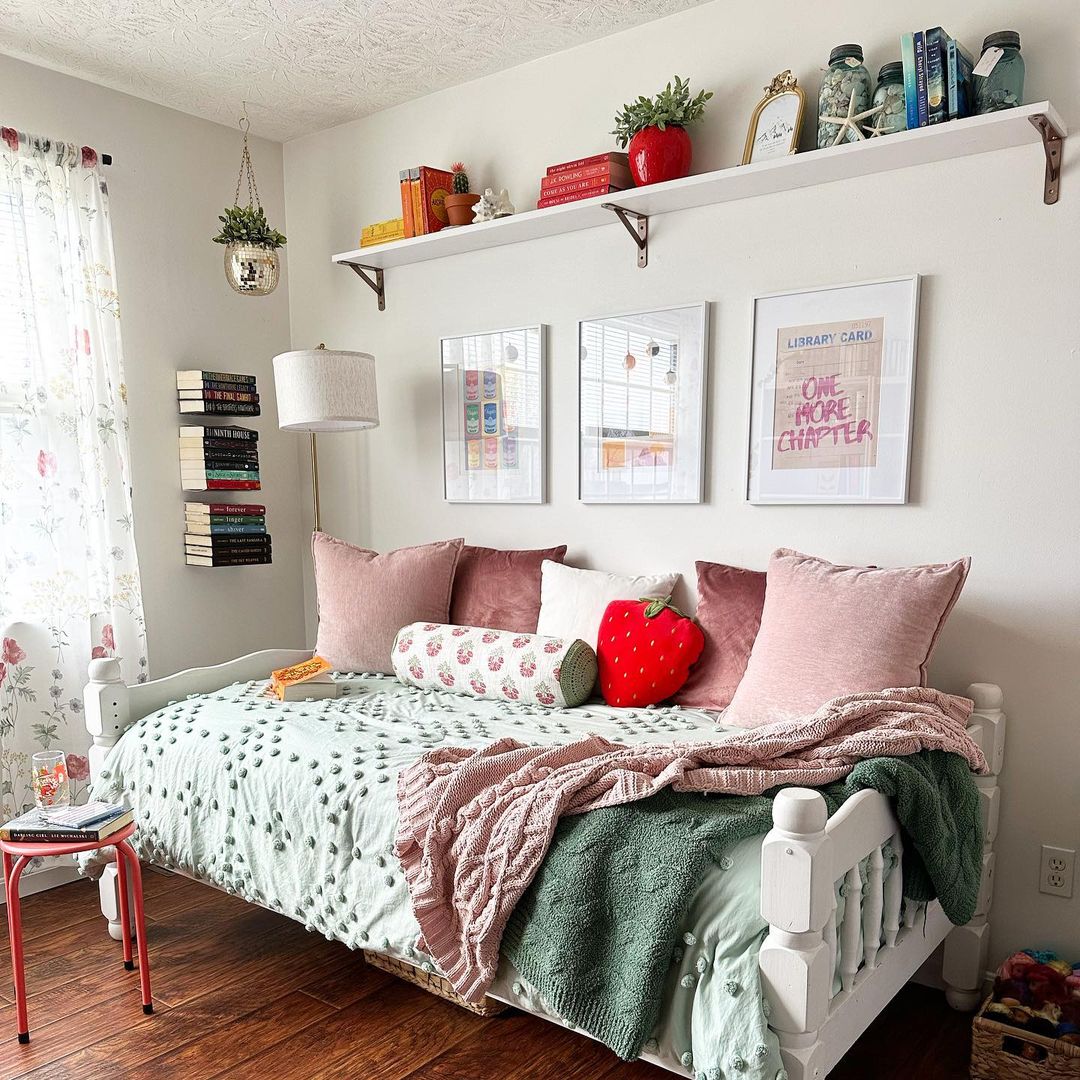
(460, 202)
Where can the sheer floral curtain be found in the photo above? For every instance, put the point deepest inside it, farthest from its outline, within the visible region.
(69, 577)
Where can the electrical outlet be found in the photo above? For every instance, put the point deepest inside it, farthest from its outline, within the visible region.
(1056, 871)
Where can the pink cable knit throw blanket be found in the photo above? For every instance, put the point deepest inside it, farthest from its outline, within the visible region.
(475, 825)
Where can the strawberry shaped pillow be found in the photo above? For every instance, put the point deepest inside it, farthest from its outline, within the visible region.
(645, 651)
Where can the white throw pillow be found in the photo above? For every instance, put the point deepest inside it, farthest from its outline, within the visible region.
(573, 601)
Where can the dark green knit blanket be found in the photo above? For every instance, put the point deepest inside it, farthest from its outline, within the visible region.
(596, 930)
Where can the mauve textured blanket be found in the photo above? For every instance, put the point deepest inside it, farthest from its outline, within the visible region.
(475, 825)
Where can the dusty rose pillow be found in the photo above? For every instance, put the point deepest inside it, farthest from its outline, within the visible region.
(365, 598)
(499, 590)
(829, 630)
(729, 614)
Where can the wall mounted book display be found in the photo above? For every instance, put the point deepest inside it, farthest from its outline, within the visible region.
(221, 458)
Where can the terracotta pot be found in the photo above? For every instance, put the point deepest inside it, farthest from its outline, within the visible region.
(656, 156)
(459, 208)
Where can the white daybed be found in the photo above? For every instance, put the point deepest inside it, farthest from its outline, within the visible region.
(801, 860)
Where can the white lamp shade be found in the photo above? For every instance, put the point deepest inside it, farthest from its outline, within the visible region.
(325, 390)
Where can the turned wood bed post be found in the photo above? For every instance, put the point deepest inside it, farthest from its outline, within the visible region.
(107, 716)
(797, 901)
(964, 965)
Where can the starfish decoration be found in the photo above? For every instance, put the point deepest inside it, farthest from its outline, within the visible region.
(851, 122)
(880, 128)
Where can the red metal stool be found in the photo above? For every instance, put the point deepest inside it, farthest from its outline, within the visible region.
(21, 854)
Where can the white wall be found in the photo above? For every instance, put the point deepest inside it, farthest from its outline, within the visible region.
(170, 177)
(995, 459)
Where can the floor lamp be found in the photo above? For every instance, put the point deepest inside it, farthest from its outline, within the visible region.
(325, 390)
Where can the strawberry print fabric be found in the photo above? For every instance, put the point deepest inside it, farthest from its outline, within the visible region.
(495, 664)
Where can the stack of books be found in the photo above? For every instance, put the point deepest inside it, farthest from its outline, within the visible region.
(226, 534)
(423, 199)
(937, 77)
(584, 179)
(382, 232)
(85, 824)
(219, 459)
(218, 392)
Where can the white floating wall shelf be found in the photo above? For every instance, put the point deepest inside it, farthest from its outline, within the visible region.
(1035, 124)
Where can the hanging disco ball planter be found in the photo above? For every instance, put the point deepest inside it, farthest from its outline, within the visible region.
(250, 269)
(252, 265)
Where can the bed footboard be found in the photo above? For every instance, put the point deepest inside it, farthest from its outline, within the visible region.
(804, 857)
(111, 706)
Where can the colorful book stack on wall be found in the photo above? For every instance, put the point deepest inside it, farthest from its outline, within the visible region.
(219, 459)
(222, 393)
(226, 534)
(937, 77)
(423, 199)
(584, 178)
(382, 232)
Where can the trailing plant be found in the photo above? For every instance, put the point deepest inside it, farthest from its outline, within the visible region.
(248, 225)
(461, 178)
(673, 106)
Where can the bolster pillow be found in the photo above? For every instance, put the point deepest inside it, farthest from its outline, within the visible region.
(495, 664)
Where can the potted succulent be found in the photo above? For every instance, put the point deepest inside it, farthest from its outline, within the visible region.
(460, 202)
(655, 130)
(251, 259)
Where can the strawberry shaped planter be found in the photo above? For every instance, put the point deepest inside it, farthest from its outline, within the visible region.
(645, 651)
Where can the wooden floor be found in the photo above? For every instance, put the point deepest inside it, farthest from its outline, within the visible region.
(241, 992)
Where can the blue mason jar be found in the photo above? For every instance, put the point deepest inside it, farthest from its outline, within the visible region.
(890, 96)
(847, 78)
(1003, 88)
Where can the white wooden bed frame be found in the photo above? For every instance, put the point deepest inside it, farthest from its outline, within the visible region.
(802, 858)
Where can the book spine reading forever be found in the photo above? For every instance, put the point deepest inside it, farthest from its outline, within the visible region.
(238, 433)
(226, 508)
(595, 159)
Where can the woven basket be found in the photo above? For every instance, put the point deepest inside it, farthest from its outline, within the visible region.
(1002, 1052)
(432, 983)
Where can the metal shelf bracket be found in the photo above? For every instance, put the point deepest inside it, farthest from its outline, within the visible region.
(1052, 141)
(638, 228)
(375, 285)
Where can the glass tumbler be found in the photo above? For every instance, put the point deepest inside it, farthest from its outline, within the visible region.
(49, 778)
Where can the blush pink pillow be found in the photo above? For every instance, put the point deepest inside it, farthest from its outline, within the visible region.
(729, 614)
(830, 630)
(365, 598)
(499, 590)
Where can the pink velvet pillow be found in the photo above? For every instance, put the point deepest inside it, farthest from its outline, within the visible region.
(829, 630)
(365, 598)
(499, 590)
(729, 614)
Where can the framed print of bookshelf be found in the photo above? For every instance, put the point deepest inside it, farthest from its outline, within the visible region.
(220, 458)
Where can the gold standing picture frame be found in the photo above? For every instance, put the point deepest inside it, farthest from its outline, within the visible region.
(777, 121)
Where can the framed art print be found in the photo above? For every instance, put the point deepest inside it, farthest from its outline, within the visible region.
(641, 400)
(493, 416)
(776, 122)
(832, 394)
